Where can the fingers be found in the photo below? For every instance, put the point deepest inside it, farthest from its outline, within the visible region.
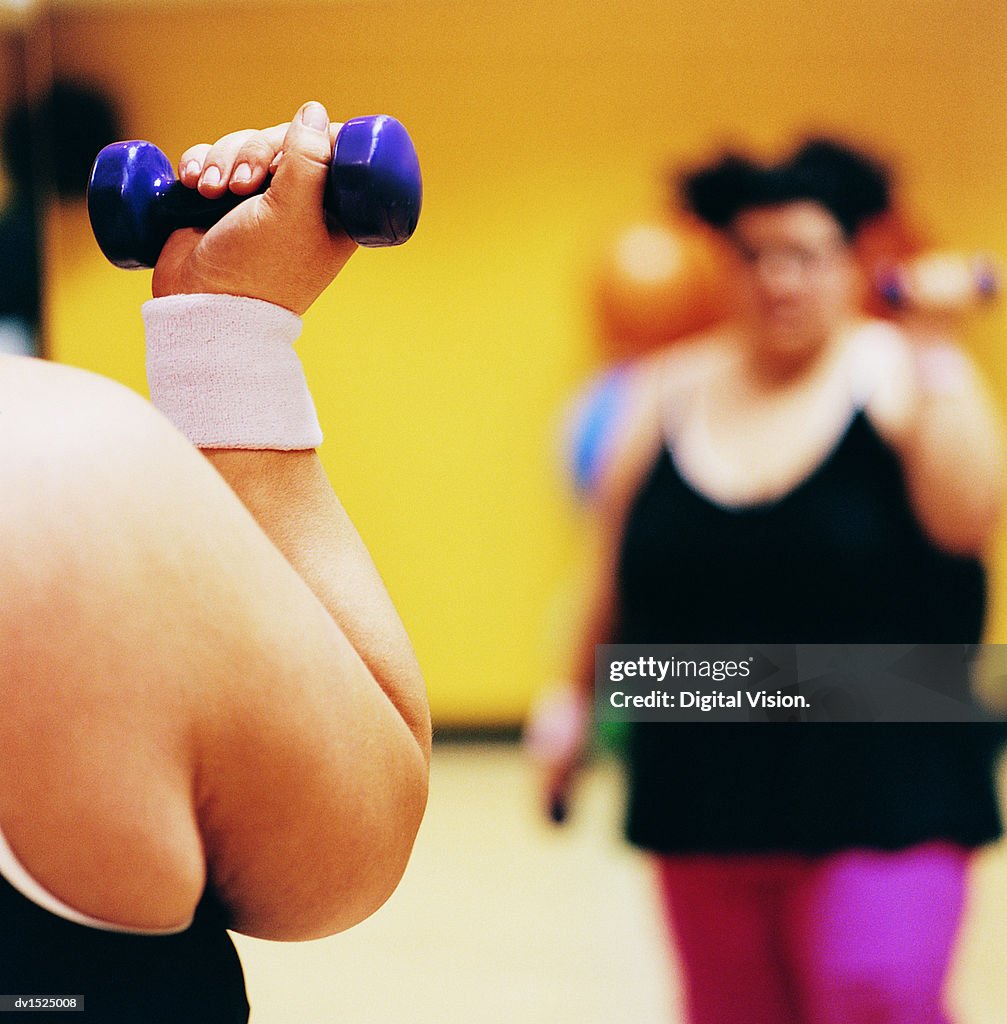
(191, 164)
(238, 162)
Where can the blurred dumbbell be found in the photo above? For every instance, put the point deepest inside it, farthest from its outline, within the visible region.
(374, 193)
(940, 283)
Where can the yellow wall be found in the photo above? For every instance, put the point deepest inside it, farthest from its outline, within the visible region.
(542, 127)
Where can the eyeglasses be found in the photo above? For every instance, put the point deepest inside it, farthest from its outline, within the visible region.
(776, 259)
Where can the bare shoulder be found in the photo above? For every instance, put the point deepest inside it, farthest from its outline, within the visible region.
(84, 462)
(52, 416)
(99, 493)
(658, 387)
(884, 365)
(96, 730)
(684, 365)
(25, 380)
(878, 352)
(666, 381)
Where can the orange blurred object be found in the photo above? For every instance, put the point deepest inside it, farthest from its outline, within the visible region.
(657, 282)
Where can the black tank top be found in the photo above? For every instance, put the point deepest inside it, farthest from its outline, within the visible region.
(193, 977)
(839, 559)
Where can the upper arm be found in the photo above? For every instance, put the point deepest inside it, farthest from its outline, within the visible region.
(634, 441)
(151, 606)
(944, 424)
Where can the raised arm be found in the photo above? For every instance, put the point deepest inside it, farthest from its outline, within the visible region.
(939, 411)
(204, 674)
(280, 249)
(951, 447)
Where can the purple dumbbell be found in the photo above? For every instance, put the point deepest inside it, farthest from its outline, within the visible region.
(374, 193)
(949, 280)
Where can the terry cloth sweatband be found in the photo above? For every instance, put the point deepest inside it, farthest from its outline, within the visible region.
(223, 369)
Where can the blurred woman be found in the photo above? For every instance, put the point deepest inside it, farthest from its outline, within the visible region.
(802, 474)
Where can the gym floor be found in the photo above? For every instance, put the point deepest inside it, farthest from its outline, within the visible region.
(502, 919)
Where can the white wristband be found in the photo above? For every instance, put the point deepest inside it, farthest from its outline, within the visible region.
(223, 369)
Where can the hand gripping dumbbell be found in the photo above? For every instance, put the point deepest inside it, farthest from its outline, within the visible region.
(940, 283)
(373, 192)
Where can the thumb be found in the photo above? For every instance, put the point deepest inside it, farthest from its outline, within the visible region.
(299, 182)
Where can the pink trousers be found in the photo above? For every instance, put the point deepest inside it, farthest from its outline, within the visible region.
(859, 937)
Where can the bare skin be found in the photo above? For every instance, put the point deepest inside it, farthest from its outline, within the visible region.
(203, 675)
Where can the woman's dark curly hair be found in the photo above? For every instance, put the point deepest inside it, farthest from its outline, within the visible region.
(850, 185)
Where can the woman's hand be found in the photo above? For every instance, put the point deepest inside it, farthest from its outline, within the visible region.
(936, 293)
(557, 738)
(277, 246)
